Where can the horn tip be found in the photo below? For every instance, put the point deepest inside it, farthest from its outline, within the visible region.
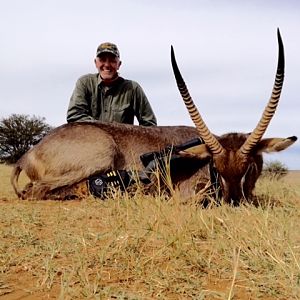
(172, 51)
(279, 36)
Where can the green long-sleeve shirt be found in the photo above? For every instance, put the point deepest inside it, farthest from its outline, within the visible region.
(91, 100)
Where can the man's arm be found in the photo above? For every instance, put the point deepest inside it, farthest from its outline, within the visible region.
(143, 109)
(79, 106)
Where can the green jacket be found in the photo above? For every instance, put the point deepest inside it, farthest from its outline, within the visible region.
(91, 100)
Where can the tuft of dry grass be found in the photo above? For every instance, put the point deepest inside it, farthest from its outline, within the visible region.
(142, 247)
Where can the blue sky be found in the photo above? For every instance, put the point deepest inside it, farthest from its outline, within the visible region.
(226, 50)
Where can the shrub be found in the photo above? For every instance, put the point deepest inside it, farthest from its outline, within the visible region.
(275, 169)
(18, 133)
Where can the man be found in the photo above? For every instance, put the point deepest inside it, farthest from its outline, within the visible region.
(106, 96)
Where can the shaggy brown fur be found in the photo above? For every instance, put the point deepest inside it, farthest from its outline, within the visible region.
(73, 152)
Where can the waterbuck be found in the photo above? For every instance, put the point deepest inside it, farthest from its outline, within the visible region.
(73, 152)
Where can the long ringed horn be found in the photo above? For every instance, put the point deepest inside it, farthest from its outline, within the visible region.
(270, 109)
(209, 139)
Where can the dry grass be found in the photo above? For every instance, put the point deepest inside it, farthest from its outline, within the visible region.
(146, 248)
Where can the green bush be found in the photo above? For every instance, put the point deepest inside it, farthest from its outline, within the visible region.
(18, 133)
(275, 169)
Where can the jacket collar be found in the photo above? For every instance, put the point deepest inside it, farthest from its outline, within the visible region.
(113, 83)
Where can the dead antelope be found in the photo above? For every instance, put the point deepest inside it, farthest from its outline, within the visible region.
(73, 152)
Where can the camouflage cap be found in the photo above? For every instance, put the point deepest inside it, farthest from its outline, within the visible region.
(108, 48)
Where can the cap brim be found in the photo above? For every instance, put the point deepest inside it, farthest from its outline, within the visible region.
(106, 51)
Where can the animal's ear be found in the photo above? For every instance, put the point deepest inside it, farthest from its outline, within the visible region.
(275, 144)
(199, 151)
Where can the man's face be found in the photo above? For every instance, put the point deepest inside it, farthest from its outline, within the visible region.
(108, 65)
